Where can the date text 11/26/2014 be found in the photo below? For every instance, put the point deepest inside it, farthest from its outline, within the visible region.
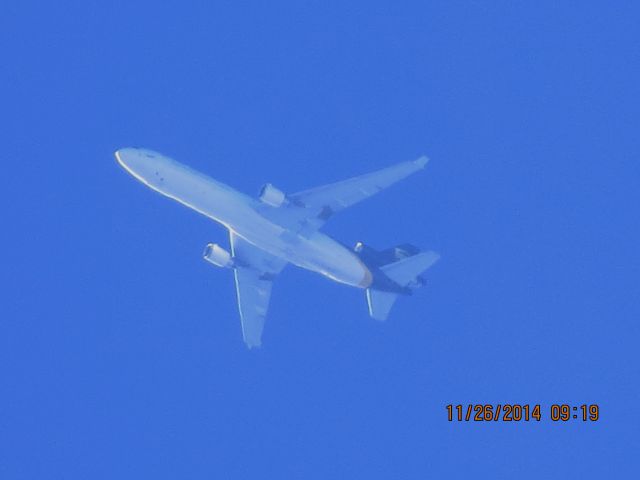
(513, 412)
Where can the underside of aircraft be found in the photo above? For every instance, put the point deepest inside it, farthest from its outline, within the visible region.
(276, 229)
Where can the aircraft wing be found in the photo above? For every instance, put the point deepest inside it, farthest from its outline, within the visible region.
(325, 200)
(254, 272)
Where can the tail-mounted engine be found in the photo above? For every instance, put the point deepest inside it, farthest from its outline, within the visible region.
(272, 196)
(373, 257)
(218, 256)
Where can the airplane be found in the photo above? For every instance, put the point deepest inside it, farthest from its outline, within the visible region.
(276, 229)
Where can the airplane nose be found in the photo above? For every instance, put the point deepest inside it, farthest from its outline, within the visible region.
(118, 156)
(130, 160)
(143, 164)
(123, 156)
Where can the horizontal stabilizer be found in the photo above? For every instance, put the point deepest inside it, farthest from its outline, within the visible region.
(405, 272)
(380, 303)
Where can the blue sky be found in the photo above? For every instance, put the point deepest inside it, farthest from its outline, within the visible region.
(120, 349)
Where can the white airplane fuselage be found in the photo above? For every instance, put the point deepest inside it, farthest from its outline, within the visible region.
(240, 213)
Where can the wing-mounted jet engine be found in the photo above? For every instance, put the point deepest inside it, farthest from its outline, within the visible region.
(218, 256)
(272, 196)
